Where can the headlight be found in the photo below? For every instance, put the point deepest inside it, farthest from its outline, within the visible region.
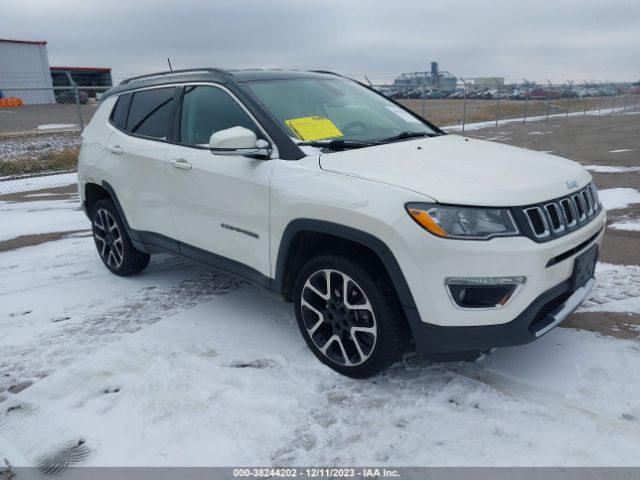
(463, 222)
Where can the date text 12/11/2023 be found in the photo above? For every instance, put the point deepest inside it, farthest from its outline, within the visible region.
(316, 472)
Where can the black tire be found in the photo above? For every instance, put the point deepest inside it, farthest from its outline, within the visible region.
(321, 316)
(113, 243)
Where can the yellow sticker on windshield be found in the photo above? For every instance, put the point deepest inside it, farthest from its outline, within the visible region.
(313, 128)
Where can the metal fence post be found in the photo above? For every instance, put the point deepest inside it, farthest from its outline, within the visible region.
(424, 113)
(601, 98)
(77, 99)
(569, 97)
(498, 105)
(464, 104)
(586, 96)
(526, 102)
(635, 101)
(624, 105)
(78, 107)
(615, 92)
(548, 99)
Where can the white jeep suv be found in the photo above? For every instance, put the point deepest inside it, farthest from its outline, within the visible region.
(384, 232)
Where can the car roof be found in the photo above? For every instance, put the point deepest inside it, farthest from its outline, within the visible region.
(212, 74)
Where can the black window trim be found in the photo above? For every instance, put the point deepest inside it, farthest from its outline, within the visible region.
(126, 97)
(131, 93)
(177, 118)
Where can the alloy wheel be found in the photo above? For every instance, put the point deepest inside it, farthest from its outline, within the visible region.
(108, 238)
(338, 317)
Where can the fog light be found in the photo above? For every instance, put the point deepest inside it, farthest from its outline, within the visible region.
(462, 294)
(482, 292)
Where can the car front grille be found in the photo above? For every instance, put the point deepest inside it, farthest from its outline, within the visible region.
(558, 217)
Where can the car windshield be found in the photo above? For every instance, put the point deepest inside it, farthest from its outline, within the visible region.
(320, 109)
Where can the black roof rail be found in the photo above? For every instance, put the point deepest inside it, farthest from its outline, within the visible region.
(328, 72)
(217, 71)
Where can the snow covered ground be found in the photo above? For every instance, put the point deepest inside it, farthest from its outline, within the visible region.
(630, 225)
(31, 183)
(611, 168)
(44, 216)
(184, 366)
(57, 126)
(614, 198)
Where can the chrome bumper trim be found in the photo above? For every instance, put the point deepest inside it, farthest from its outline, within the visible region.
(568, 307)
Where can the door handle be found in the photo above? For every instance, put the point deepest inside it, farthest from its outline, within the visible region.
(117, 149)
(180, 163)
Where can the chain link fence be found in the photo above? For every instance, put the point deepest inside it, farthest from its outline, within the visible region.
(490, 104)
(40, 134)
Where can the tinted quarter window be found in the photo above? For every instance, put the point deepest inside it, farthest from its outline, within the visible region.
(206, 110)
(150, 112)
(119, 113)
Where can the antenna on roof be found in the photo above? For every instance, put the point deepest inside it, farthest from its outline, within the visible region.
(368, 81)
(169, 62)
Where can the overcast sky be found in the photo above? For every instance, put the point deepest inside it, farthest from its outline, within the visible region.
(559, 39)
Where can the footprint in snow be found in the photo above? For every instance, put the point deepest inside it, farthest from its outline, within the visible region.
(19, 387)
(259, 364)
(70, 454)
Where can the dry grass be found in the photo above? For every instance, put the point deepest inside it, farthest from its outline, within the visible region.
(54, 161)
(449, 112)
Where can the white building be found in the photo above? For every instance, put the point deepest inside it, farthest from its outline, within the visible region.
(25, 65)
(484, 83)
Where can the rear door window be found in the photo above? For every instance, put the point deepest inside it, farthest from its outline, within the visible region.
(151, 112)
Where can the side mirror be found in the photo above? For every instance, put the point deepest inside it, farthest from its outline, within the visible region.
(238, 141)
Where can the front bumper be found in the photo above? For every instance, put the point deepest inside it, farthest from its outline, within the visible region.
(546, 312)
(547, 298)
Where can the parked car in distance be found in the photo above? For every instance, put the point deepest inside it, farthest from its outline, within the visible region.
(543, 94)
(385, 233)
(69, 96)
(457, 94)
(436, 94)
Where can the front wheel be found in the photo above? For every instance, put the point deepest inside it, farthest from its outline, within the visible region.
(349, 316)
(114, 246)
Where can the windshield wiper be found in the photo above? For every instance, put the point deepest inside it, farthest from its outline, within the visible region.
(338, 144)
(407, 134)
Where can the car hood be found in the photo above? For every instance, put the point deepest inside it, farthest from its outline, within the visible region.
(459, 170)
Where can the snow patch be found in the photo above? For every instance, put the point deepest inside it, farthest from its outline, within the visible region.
(30, 184)
(614, 198)
(617, 289)
(54, 126)
(629, 225)
(611, 169)
(41, 216)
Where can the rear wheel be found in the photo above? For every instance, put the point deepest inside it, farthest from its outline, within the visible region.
(114, 246)
(349, 316)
